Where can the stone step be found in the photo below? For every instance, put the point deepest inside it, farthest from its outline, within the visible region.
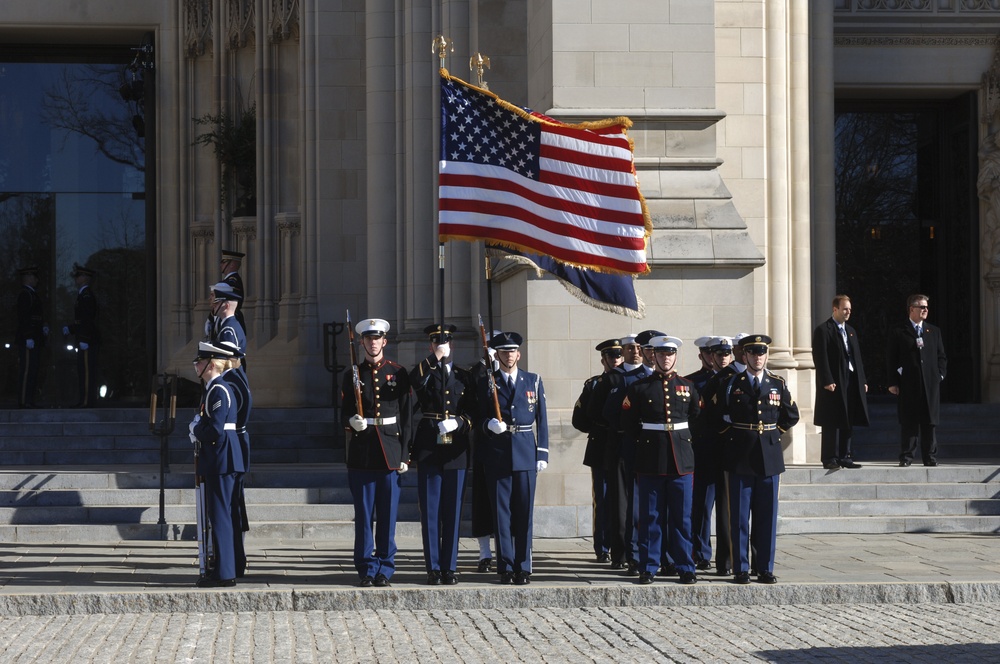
(875, 525)
(888, 508)
(319, 531)
(887, 473)
(927, 491)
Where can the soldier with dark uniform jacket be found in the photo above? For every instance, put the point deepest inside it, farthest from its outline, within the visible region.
(483, 518)
(755, 408)
(594, 456)
(656, 416)
(30, 337)
(446, 396)
(86, 334)
(378, 450)
(710, 488)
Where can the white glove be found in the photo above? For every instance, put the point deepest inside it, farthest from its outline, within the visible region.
(447, 426)
(445, 350)
(29, 344)
(65, 331)
(541, 465)
(402, 468)
(194, 438)
(194, 423)
(84, 345)
(357, 422)
(496, 426)
(208, 328)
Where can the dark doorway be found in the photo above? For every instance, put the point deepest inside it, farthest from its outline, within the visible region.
(73, 190)
(907, 222)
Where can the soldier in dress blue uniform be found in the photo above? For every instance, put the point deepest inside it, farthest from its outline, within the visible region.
(244, 405)
(228, 329)
(710, 486)
(446, 396)
(594, 456)
(378, 451)
(87, 335)
(220, 460)
(30, 337)
(483, 518)
(656, 413)
(756, 408)
(514, 450)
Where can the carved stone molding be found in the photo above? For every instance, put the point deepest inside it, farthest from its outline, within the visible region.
(203, 234)
(288, 224)
(284, 20)
(991, 87)
(197, 26)
(245, 227)
(240, 17)
(915, 40)
(939, 7)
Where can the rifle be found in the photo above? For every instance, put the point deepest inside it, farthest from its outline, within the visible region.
(201, 518)
(354, 366)
(491, 379)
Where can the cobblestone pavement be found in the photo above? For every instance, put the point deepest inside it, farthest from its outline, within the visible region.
(880, 634)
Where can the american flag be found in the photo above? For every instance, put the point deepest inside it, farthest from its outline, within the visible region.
(525, 181)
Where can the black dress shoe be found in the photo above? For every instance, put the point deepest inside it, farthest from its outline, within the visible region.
(485, 565)
(367, 582)
(930, 464)
(434, 577)
(645, 578)
(688, 578)
(506, 578)
(633, 569)
(724, 571)
(448, 577)
(742, 578)
(381, 581)
(832, 464)
(522, 578)
(766, 577)
(849, 463)
(668, 570)
(904, 463)
(702, 565)
(619, 565)
(604, 557)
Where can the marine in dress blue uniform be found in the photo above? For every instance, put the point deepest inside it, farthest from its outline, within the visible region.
(515, 448)
(30, 337)
(446, 396)
(594, 455)
(656, 414)
(756, 408)
(378, 450)
(86, 334)
(220, 460)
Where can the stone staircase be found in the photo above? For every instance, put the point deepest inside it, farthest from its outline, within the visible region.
(94, 475)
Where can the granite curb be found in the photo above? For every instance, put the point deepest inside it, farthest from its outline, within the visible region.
(392, 599)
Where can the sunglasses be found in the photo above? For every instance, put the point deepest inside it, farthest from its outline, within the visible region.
(757, 351)
(665, 351)
(723, 353)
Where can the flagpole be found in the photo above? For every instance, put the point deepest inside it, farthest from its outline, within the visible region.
(489, 291)
(478, 63)
(441, 46)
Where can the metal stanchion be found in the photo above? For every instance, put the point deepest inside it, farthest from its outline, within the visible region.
(167, 384)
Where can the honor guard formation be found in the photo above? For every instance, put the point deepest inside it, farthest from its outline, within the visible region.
(666, 452)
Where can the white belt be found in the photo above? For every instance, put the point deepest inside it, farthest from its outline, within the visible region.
(676, 426)
(229, 426)
(380, 421)
(521, 428)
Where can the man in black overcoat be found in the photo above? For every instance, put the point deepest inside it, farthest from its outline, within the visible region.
(841, 386)
(916, 364)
